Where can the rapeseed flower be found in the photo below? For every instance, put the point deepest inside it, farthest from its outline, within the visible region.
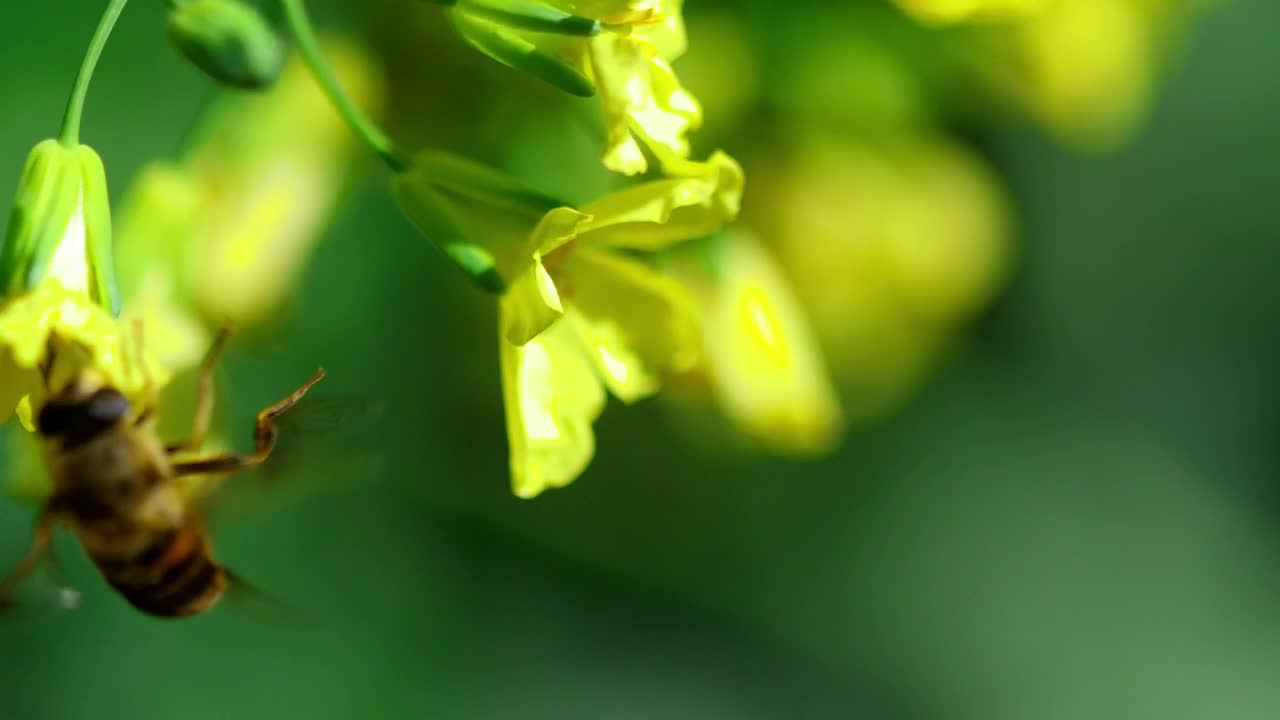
(621, 50)
(587, 315)
(57, 310)
(760, 356)
(581, 309)
(223, 233)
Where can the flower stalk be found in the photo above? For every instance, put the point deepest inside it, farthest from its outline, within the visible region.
(69, 135)
(304, 36)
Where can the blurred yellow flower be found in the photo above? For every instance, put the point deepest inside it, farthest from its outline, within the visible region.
(759, 353)
(160, 213)
(899, 242)
(623, 52)
(946, 11)
(225, 231)
(1085, 69)
(583, 316)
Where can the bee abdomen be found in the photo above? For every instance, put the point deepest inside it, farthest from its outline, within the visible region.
(173, 575)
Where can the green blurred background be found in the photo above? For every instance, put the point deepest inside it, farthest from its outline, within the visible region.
(1075, 517)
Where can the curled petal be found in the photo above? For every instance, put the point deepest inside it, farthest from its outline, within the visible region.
(697, 201)
(531, 305)
(532, 300)
(552, 397)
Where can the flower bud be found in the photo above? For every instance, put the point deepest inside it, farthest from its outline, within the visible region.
(229, 41)
(60, 225)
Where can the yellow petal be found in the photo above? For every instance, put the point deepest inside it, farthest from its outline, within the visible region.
(697, 201)
(530, 305)
(636, 323)
(552, 397)
(762, 356)
(28, 321)
(532, 300)
(664, 28)
(642, 101)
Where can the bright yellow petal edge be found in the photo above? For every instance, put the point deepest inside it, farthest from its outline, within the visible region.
(552, 396)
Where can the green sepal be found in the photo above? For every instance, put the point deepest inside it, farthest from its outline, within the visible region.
(429, 211)
(97, 229)
(230, 41)
(481, 182)
(481, 218)
(535, 16)
(42, 207)
(508, 47)
(56, 182)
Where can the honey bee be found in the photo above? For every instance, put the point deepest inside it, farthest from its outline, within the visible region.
(114, 486)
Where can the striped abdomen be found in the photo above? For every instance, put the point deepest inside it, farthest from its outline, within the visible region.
(172, 574)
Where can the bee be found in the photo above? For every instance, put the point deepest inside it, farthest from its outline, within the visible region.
(114, 486)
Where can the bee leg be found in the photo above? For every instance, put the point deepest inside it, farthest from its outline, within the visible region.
(41, 544)
(264, 438)
(205, 396)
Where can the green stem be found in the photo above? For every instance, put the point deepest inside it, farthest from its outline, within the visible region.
(70, 133)
(304, 36)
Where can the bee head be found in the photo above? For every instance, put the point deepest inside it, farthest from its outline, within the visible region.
(82, 410)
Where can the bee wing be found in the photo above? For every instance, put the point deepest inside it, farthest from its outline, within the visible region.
(39, 595)
(37, 592)
(325, 444)
(245, 598)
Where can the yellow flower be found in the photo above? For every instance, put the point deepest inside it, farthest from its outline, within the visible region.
(641, 98)
(583, 316)
(948, 11)
(759, 353)
(226, 230)
(60, 286)
(159, 215)
(899, 242)
(1085, 69)
(623, 50)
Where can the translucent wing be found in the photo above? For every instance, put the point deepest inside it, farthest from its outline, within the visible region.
(325, 444)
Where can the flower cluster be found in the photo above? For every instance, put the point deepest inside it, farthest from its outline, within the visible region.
(899, 232)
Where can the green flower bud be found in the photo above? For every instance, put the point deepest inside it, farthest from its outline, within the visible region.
(229, 41)
(60, 226)
(478, 216)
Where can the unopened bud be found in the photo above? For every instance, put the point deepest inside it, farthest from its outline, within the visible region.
(60, 225)
(229, 41)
